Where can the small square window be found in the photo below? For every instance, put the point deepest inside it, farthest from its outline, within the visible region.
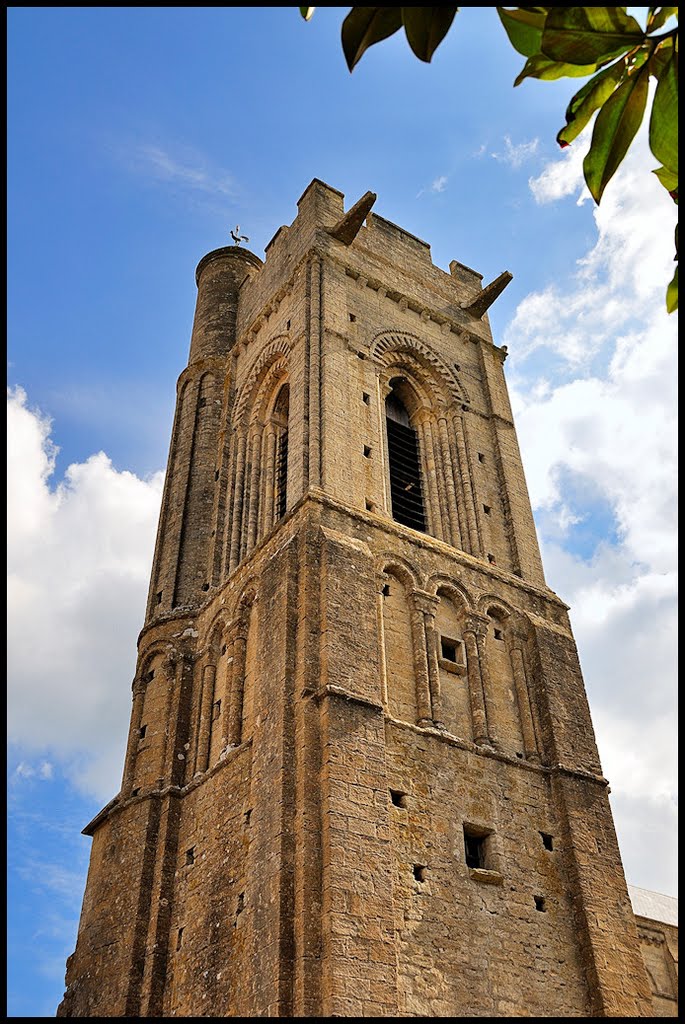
(386, 590)
(491, 560)
(419, 871)
(487, 509)
(136, 791)
(367, 452)
(397, 798)
(365, 398)
(547, 840)
(498, 634)
(159, 597)
(481, 457)
(540, 904)
(352, 318)
(449, 649)
(142, 731)
(369, 505)
(475, 846)
(190, 855)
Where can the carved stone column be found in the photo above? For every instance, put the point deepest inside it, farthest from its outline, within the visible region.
(139, 688)
(488, 694)
(254, 491)
(267, 510)
(169, 674)
(427, 606)
(530, 747)
(465, 471)
(479, 718)
(418, 636)
(174, 675)
(206, 706)
(237, 503)
(380, 587)
(431, 497)
(235, 713)
(449, 474)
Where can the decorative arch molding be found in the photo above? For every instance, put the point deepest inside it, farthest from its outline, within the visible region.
(157, 648)
(216, 630)
(266, 392)
(439, 582)
(246, 598)
(490, 604)
(394, 565)
(388, 344)
(277, 347)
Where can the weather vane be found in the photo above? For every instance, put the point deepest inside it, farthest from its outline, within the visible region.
(237, 237)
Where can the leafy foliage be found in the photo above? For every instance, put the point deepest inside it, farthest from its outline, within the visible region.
(604, 44)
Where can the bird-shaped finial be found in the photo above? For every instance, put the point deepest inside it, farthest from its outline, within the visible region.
(237, 237)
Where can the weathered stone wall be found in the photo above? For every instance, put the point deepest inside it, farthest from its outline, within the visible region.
(327, 702)
(659, 948)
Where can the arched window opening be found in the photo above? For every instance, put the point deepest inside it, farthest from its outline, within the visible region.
(280, 418)
(405, 466)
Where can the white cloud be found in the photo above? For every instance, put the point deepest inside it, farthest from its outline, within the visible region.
(515, 155)
(598, 432)
(617, 297)
(185, 167)
(79, 559)
(564, 176)
(29, 771)
(438, 184)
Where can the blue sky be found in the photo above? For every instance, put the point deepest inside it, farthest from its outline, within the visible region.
(137, 138)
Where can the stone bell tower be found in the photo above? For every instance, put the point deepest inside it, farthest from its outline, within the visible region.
(361, 777)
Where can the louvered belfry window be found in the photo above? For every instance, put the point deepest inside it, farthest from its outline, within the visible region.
(281, 474)
(281, 410)
(405, 466)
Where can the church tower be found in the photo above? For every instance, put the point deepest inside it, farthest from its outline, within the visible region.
(361, 777)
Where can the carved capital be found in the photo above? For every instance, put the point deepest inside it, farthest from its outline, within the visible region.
(424, 602)
(476, 624)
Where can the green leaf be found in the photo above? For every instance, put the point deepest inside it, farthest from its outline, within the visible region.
(658, 16)
(589, 35)
(538, 66)
(307, 12)
(672, 294)
(663, 124)
(660, 57)
(667, 178)
(365, 26)
(524, 27)
(615, 128)
(590, 98)
(426, 27)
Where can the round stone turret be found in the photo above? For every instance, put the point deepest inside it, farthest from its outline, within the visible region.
(219, 275)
